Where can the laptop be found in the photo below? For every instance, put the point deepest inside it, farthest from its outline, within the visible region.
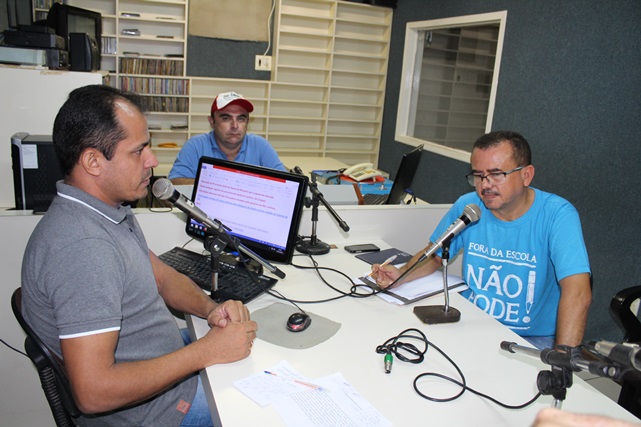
(402, 181)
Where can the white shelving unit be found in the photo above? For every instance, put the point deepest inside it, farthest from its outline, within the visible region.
(329, 79)
(151, 63)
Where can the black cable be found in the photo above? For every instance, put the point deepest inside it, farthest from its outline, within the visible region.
(393, 346)
(13, 348)
(353, 293)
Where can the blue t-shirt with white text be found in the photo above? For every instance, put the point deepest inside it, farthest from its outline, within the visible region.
(513, 268)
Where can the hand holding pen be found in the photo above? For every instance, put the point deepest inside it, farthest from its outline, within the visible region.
(387, 261)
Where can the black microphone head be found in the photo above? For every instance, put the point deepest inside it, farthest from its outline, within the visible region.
(473, 212)
(506, 345)
(163, 189)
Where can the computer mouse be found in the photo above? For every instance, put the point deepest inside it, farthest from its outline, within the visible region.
(298, 322)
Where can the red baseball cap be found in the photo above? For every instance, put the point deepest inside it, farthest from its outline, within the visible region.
(222, 100)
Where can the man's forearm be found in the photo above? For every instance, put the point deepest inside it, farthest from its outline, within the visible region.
(426, 267)
(572, 316)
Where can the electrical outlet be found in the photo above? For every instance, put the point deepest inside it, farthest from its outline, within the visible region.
(263, 62)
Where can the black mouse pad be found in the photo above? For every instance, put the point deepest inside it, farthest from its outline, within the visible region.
(272, 327)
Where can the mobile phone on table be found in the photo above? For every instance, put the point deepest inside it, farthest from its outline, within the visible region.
(366, 247)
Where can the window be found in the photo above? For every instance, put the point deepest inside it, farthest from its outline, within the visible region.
(449, 80)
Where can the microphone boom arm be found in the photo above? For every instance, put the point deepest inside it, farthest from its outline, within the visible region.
(564, 360)
(315, 246)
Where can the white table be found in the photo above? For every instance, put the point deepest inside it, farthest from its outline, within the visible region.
(473, 343)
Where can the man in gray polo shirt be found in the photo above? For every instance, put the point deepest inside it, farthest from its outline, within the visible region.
(96, 294)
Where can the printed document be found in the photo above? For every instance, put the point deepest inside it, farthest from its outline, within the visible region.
(303, 402)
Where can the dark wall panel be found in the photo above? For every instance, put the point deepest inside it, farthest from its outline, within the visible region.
(209, 57)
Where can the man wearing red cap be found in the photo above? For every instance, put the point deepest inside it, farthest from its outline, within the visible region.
(228, 140)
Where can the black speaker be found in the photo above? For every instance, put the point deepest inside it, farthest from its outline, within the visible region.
(83, 52)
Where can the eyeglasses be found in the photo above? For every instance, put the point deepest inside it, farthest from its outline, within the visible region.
(494, 178)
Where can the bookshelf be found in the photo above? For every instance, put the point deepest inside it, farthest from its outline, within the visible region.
(144, 50)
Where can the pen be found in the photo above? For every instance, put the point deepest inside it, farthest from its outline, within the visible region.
(306, 384)
(387, 261)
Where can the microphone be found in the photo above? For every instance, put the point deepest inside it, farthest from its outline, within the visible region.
(471, 214)
(628, 355)
(163, 189)
(444, 313)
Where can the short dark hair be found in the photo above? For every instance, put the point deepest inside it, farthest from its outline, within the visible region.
(88, 120)
(521, 152)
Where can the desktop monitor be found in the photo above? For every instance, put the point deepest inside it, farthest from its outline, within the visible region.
(262, 207)
(404, 176)
(35, 171)
(67, 20)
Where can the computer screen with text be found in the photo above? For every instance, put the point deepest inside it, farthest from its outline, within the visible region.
(261, 206)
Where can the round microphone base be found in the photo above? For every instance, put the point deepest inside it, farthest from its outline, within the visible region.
(434, 314)
(318, 248)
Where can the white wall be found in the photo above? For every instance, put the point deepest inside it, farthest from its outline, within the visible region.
(30, 101)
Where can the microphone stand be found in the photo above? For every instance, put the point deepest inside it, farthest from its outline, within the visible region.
(433, 314)
(221, 239)
(215, 245)
(313, 246)
(564, 360)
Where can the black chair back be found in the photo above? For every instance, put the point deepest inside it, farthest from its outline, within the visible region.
(628, 321)
(50, 369)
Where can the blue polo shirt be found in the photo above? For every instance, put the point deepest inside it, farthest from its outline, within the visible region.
(254, 150)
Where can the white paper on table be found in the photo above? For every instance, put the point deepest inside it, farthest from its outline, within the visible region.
(338, 404)
(265, 389)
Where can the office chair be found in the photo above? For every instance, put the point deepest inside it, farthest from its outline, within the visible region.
(50, 369)
(628, 321)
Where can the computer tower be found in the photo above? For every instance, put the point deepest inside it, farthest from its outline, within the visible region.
(35, 171)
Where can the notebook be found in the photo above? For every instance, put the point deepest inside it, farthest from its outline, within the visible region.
(402, 181)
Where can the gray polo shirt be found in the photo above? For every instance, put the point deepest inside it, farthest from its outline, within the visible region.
(86, 270)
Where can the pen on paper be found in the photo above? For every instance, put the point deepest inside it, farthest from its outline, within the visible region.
(306, 384)
(387, 261)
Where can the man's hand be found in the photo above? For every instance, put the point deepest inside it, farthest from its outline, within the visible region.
(384, 275)
(228, 344)
(228, 311)
(551, 417)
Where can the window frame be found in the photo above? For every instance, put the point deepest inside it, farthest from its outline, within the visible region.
(410, 77)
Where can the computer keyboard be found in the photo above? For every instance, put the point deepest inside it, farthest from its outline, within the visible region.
(375, 199)
(234, 281)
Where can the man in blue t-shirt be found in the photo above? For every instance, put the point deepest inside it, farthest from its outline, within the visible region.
(228, 140)
(524, 260)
